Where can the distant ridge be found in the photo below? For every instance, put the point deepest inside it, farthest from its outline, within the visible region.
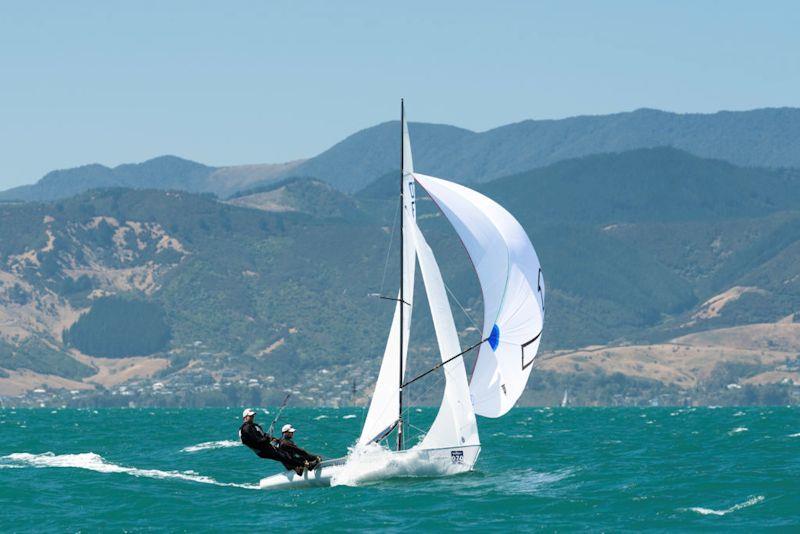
(163, 172)
(768, 137)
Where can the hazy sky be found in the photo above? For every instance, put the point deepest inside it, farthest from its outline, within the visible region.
(252, 82)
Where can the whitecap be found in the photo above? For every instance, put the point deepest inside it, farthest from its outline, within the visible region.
(210, 445)
(531, 481)
(349, 416)
(795, 435)
(708, 511)
(317, 418)
(94, 462)
(737, 430)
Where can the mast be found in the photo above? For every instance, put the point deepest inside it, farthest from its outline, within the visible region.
(402, 262)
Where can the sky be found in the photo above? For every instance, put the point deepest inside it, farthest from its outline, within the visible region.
(228, 83)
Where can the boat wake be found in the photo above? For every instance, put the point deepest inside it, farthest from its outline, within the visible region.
(94, 462)
(211, 445)
(708, 511)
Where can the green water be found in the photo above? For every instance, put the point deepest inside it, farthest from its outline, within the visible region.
(562, 469)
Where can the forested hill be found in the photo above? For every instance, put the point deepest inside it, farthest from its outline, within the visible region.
(222, 301)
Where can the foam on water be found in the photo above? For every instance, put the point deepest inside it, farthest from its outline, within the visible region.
(737, 430)
(708, 511)
(210, 445)
(94, 462)
(372, 462)
(531, 481)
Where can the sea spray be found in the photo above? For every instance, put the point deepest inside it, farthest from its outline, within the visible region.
(373, 462)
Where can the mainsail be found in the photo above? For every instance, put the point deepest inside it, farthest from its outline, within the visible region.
(384, 408)
(513, 292)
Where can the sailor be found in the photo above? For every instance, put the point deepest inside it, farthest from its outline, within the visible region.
(287, 445)
(261, 443)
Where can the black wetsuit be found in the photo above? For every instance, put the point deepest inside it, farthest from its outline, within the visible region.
(289, 447)
(254, 437)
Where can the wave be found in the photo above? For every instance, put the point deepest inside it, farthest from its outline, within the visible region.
(350, 416)
(94, 462)
(795, 435)
(738, 430)
(708, 511)
(210, 445)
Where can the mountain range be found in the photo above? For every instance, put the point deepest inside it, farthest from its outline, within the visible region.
(762, 137)
(670, 276)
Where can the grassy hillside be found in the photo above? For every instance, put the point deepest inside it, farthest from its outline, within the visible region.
(640, 247)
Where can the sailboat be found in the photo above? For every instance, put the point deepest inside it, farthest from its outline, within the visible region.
(513, 291)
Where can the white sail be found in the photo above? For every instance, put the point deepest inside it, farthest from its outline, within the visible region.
(455, 423)
(513, 292)
(384, 408)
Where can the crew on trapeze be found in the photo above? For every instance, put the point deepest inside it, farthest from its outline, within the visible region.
(286, 444)
(281, 449)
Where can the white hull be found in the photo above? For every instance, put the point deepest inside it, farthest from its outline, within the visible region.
(387, 464)
(319, 477)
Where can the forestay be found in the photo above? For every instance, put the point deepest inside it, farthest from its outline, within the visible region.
(513, 292)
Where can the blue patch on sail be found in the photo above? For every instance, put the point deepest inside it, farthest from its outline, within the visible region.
(494, 337)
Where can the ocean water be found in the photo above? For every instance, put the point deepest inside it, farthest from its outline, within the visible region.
(560, 469)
